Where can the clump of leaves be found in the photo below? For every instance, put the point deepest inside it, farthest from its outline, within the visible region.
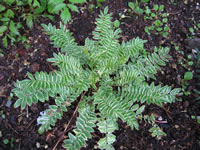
(159, 18)
(195, 27)
(13, 11)
(63, 8)
(135, 7)
(106, 77)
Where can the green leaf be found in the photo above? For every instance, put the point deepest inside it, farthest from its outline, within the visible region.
(10, 2)
(42, 8)
(5, 41)
(30, 2)
(159, 29)
(135, 107)
(145, 1)
(65, 15)
(131, 5)
(155, 7)
(165, 34)
(188, 75)
(29, 101)
(41, 130)
(49, 16)
(166, 28)
(40, 96)
(140, 110)
(111, 138)
(105, 10)
(50, 8)
(5, 141)
(165, 20)
(191, 30)
(73, 7)
(138, 10)
(10, 13)
(23, 105)
(18, 103)
(36, 3)
(13, 28)
(5, 19)
(158, 23)
(59, 7)
(77, 1)
(2, 8)
(29, 21)
(116, 23)
(161, 8)
(3, 29)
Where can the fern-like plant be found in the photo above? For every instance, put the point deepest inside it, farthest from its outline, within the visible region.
(112, 76)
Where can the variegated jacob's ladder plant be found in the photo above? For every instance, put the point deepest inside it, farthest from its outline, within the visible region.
(112, 76)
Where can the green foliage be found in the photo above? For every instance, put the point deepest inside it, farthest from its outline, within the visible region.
(63, 8)
(13, 11)
(156, 132)
(99, 2)
(112, 75)
(135, 7)
(10, 18)
(188, 75)
(144, 1)
(5, 141)
(159, 18)
(116, 23)
(84, 126)
(107, 126)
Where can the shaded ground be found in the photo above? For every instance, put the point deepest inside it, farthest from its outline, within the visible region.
(183, 133)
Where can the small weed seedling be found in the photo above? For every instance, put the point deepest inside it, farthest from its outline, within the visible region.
(135, 7)
(159, 18)
(192, 30)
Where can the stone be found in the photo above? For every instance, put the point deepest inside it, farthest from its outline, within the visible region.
(193, 43)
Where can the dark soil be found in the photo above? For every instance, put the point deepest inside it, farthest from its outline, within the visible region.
(183, 133)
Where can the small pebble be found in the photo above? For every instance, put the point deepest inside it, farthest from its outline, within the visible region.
(46, 146)
(12, 119)
(37, 145)
(160, 118)
(8, 104)
(176, 126)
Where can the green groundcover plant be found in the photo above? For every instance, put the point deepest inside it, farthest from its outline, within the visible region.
(13, 11)
(106, 77)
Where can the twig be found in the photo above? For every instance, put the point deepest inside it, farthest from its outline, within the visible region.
(174, 13)
(167, 112)
(60, 139)
(161, 121)
(31, 122)
(3, 96)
